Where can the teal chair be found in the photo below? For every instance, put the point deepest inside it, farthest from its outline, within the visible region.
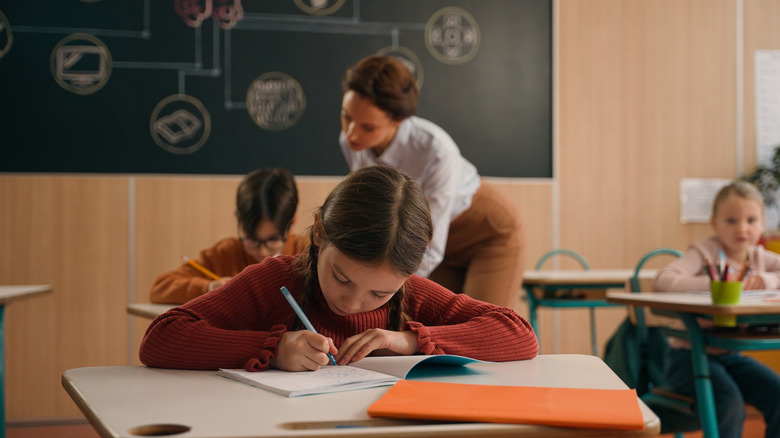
(558, 297)
(677, 412)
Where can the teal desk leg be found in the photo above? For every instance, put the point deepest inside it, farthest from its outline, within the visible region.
(701, 372)
(532, 308)
(594, 343)
(2, 374)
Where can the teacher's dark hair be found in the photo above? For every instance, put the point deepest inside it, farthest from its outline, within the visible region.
(386, 82)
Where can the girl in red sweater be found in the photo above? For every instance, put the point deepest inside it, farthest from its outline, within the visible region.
(356, 285)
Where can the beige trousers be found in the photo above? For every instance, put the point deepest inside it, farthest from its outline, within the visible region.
(485, 252)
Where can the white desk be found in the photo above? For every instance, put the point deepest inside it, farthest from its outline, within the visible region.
(541, 287)
(148, 310)
(119, 400)
(688, 307)
(8, 294)
(584, 278)
(15, 292)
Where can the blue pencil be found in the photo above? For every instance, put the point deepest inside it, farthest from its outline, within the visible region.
(302, 316)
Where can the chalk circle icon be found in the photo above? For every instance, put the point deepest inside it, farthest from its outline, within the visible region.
(275, 101)
(81, 63)
(407, 58)
(452, 35)
(180, 124)
(6, 36)
(319, 7)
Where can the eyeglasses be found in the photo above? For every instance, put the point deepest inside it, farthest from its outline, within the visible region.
(273, 244)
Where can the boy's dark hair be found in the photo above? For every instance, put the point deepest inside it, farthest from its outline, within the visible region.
(375, 215)
(386, 82)
(266, 194)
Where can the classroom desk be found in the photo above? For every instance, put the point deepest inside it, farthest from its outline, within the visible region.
(8, 294)
(540, 287)
(690, 306)
(148, 310)
(119, 401)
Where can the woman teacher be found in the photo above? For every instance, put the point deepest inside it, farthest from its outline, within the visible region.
(478, 242)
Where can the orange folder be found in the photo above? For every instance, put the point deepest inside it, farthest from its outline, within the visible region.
(567, 407)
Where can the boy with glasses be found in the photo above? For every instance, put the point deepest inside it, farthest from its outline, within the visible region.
(266, 201)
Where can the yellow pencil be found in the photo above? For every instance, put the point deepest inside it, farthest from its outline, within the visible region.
(200, 268)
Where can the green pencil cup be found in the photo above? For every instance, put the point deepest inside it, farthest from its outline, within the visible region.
(725, 292)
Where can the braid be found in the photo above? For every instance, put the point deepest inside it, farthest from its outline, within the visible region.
(309, 268)
(396, 317)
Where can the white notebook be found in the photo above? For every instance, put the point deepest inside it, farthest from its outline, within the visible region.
(369, 372)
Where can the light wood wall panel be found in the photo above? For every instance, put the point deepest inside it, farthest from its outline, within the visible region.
(70, 232)
(535, 201)
(178, 216)
(647, 97)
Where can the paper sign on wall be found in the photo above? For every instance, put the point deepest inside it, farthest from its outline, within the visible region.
(696, 196)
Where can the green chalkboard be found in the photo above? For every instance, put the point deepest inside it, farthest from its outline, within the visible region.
(227, 86)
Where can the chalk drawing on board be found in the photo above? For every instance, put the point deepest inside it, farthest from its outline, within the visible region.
(407, 58)
(6, 36)
(180, 124)
(193, 12)
(319, 7)
(228, 13)
(81, 63)
(275, 101)
(452, 35)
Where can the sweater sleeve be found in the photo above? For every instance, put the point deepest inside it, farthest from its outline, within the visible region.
(769, 268)
(683, 274)
(226, 259)
(236, 326)
(448, 323)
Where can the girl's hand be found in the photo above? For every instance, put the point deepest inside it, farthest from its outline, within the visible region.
(302, 350)
(217, 283)
(361, 345)
(753, 282)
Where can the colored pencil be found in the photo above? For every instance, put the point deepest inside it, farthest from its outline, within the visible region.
(303, 317)
(200, 268)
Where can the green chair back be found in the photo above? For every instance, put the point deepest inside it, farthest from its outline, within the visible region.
(677, 415)
(562, 252)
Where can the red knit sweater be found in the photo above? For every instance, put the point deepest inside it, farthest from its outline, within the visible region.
(239, 324)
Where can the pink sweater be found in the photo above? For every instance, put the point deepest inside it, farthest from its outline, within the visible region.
(687, 273)
(239, 324)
